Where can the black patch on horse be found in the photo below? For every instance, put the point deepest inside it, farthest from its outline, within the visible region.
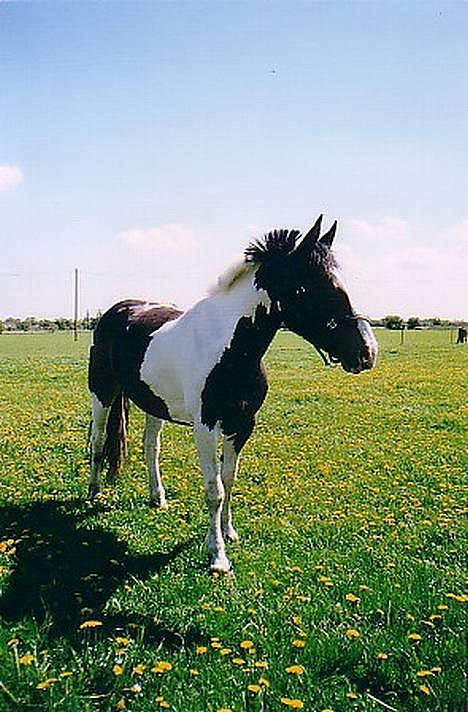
(121, 339)
(236, 387)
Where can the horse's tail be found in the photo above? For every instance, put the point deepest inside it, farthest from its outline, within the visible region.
(104, 383)
(115, 445)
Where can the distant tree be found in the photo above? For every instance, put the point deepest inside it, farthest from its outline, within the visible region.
(1, 327)
(413, 322)
(392, 321)
(435, 321)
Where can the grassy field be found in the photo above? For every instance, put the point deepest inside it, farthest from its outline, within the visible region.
(349, 591)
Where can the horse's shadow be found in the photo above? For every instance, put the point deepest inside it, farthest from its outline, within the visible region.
(65, 573)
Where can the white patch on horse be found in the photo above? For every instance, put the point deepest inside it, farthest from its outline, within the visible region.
(183, 352)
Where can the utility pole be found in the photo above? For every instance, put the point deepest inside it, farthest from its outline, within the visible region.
(75, 321)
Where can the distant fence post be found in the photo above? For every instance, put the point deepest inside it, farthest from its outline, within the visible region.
(75, 320)
(402, 334)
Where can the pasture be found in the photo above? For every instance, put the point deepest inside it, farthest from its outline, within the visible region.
(349, 589)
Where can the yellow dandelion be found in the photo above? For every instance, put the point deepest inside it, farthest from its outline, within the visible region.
(216, 645)
(66, 673)
(254, 688)
(261, 664)
(201, 649)
(139, 669)
(26, 659)
(263, 681)
(298, 643)
(117, 670)
(238, 661)
(414, 636)
(193, 672)
(352, 633)
(90, 624)
(247, 644)
(295, 670)
(442, 607)
(352, 598)
(351, 695)
(224, 709)
(122, 641)
(46, 684)
(424, 689)
(295, 704)
(120, 704)
(382, 656)
(161, 667)
(225, 651)
(436, 670)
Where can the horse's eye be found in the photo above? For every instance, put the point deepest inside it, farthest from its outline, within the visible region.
(331, 324)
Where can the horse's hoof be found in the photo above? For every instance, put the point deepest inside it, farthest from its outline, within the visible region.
(221, 565)
(159, 503)
(230, 534)
(92, 492)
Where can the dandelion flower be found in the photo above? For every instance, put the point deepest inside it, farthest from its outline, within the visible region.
(90, 624)
(414, 636)
(201, 649)
(238, 661)
(247, 644)
(26, 659)
(351, 695)
(298, 643)
(46, 684)
(139, 669)
(295, 704)
(382, 656)
(295, 670)
(120, 704)
(254, 688)
(117, 670)
(352, 598)
(424, 689)
(352, 633)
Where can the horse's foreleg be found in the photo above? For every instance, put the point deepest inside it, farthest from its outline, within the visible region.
(232, 446)
(152, 445)
(206, 442)
(98, 438)
(228, 475)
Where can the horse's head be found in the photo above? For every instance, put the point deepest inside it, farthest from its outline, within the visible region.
(301, 278)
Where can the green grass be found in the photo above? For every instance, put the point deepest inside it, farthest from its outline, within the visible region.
(349, 485)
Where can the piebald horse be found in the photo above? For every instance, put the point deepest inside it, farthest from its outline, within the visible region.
(203, 367)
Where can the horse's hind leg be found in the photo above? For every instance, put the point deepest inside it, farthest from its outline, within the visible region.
(152, 446)
(98, 438)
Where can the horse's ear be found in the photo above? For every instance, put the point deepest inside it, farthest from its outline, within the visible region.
(310, 240)
(329, 236)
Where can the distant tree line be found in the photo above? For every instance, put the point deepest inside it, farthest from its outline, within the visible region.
(395, 322)
(31, 323)
(391, 321)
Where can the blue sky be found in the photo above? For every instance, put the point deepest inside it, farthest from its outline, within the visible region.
(147, 142)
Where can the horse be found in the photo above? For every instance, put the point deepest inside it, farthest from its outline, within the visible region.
(203, 367)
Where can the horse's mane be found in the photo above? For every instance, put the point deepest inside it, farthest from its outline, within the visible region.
(280, 243)
(273, 245)
(232, 275)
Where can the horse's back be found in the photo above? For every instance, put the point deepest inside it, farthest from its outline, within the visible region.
(120, 340)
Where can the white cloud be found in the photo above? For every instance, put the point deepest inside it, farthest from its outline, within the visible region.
(10, 176)
(387, 230)
(407, 277)
(172, 239)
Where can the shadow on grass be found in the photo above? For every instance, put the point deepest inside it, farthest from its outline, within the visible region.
(65, 573)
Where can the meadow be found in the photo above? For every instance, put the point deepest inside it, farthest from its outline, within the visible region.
(349, 590)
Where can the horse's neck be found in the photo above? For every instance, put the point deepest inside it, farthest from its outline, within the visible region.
(231, 314)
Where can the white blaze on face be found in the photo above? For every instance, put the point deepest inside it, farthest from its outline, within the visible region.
(363, 326)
